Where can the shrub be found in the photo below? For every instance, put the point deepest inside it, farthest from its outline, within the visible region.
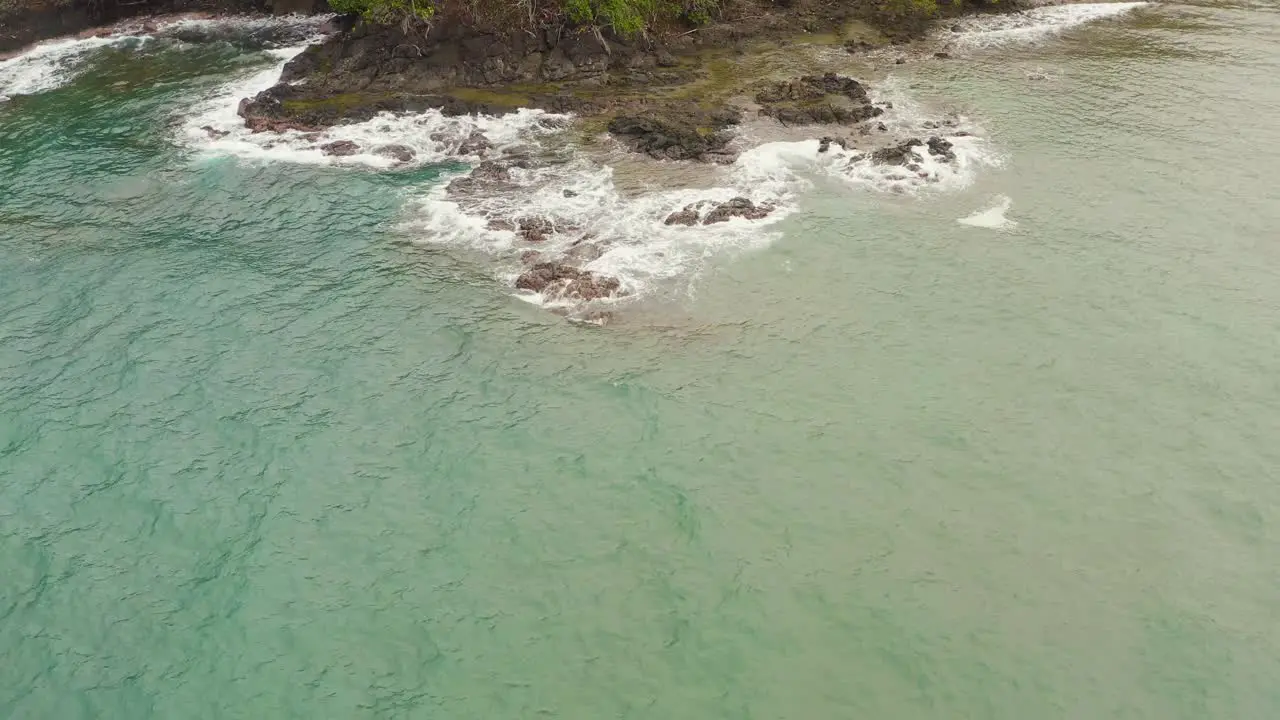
(386, 11)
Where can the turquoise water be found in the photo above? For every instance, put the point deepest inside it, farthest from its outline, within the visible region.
(265, 453)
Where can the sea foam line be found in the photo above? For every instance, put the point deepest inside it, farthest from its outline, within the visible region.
(52, 64)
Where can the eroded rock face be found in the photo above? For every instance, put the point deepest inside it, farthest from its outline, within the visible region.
(817, 99)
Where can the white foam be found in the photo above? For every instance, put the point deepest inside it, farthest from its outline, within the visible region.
(51, 65)
(993, 217)
(640, 249)
(215, 129)
(922, 171)
(1034, 24)
(580, 192)
(646, 254)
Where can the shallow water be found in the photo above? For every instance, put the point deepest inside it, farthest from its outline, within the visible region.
(273, 444)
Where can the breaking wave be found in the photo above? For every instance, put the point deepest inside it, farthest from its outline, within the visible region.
(53, 64)
(1034, 24)
(49, 65)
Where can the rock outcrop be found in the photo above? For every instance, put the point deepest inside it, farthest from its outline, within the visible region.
(738, 207)
(557, 280)
(817, 99)
(678, 134)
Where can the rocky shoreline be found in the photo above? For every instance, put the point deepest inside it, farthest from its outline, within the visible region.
(671, 98)
(664, 98)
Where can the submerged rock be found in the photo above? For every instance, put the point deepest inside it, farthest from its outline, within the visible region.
(399, 153)
(583, 252)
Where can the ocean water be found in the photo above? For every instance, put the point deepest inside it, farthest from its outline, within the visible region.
(278, 438)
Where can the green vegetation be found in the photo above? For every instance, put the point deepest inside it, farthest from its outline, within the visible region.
(386, 11)
(624, 17)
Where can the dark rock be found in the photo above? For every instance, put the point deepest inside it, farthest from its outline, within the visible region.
(565, 281)
(899, 154)
(591, 286)
(825, 143)
(490, 174)
(676, 135)
(942, 148)
(215, 134)
(956, 29)
(942, 55)
(399, 153)
(857, 46)
(665, 59)
(687, 216)
(737, 207)
(340, 148)
(530, 257)
(543, 275)
(817, 99)
(569, 193)
(475, 144)
(900, 61)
